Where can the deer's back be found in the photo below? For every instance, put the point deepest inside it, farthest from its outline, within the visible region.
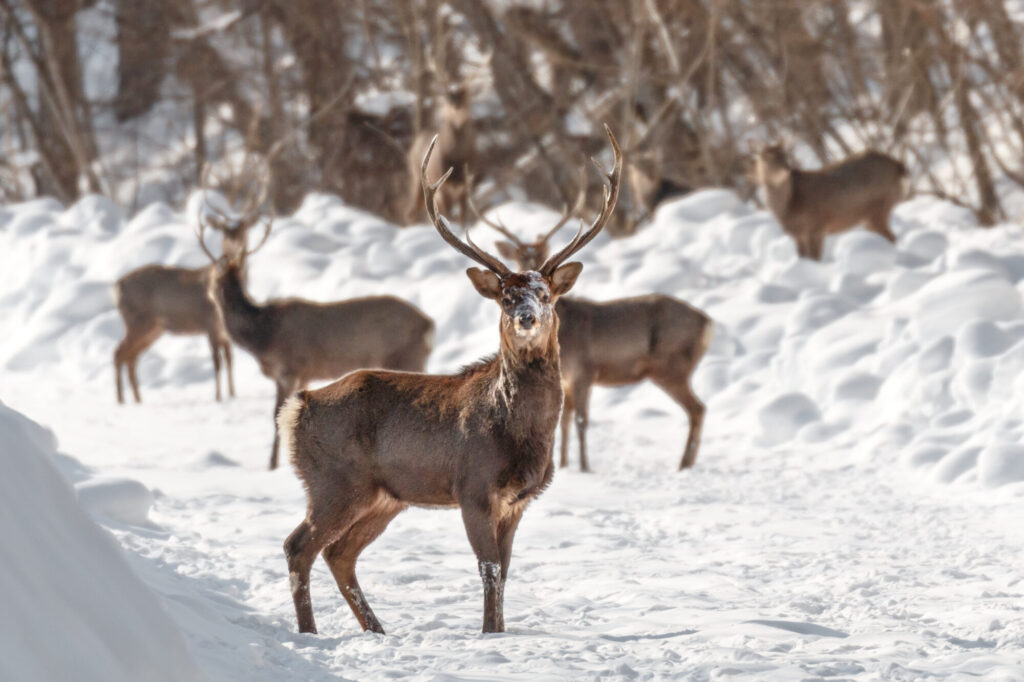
(847, 192)
(626, 340)
(327, 340)
(175, 298)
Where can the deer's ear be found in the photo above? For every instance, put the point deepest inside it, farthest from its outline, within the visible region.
(486, 282)
(507, 250)
(564, 277)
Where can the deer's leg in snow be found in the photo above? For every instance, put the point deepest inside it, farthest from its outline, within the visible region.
(581, 399)
(506, 533)
(678, 387)
(478, 517)
(226, 350)
(215, 352)
(568, 408)
(341, 557)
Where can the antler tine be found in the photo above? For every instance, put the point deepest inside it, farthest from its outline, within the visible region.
(204, 186)
(581, 198)
(252, 207)
(441, 223)
(266, 233)
(611, 195)
(499, 226)
(200, 231)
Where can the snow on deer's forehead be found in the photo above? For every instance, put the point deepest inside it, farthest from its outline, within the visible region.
(527, 284)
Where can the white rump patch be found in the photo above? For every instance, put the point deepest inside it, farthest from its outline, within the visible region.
(287, 418)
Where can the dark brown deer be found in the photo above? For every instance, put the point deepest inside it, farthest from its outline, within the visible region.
(158, 299)
(456, 146)
(375, 442)
(810, 205)
(620, 342)
(297, 341)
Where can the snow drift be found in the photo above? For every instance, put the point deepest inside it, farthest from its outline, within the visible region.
(72, 607)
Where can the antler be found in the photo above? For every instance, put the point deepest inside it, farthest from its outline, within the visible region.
(611, 195)
(580, 200)
(441, 223)
(499, 226)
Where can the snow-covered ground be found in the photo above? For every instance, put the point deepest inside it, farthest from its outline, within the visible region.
(855, 511)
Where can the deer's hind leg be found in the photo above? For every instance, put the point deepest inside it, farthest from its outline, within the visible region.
(215, 354)
(878, 222)
(137, 339)
(677, 385)
(322, 526)
(225, 349)
(568, 409)
(342, 554)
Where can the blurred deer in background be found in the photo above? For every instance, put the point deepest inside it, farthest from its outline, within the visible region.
(370, 445)
(456, 146)
(620, 342)
(155, 299)
(297, 341)
(813, 204)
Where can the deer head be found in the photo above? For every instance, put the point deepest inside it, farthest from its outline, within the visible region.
(526, 298)
(529, 255)
(234, 229)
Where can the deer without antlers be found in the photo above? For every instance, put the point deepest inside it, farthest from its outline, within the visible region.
(155, 299)
(813, 204)
(456, 146)
(374, 442)
(620, 342)
(297, 341)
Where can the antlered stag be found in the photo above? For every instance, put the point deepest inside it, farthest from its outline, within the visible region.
(375, 442)
(155, 299)
(297, 341)
(456, 146)
(813, 204)
(620, 342)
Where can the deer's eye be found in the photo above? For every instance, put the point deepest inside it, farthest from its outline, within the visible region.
(507, 302)
(544, 298)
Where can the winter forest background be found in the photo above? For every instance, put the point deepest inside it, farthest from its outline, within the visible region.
(132, 97)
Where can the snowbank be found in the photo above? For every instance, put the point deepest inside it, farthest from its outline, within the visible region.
(72, 607)
(876, 336)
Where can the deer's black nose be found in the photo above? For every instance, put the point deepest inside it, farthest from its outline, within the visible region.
(526, 320)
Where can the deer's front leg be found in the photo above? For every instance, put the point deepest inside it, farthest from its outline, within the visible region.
(480, 528)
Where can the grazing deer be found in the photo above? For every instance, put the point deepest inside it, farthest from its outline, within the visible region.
(297, 341)
(621, 342)
(456, 150)
(155, 299)
(813, 204)
(375, 442)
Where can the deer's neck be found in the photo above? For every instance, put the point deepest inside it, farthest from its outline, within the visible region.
(248, 324)
(527, 389)
(778, 187)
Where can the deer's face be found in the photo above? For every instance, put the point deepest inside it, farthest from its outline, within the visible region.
(771, 158)
(527, 301)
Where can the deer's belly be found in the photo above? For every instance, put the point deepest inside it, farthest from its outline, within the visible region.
(619, 375)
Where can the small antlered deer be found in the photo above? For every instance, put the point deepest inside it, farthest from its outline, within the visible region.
(456, 146)
(813, 204)
(373, 443)
(620, 342)
(155, 299)
(297, 341)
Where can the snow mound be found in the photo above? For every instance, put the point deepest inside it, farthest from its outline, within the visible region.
(876, 335)
(72, 607)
